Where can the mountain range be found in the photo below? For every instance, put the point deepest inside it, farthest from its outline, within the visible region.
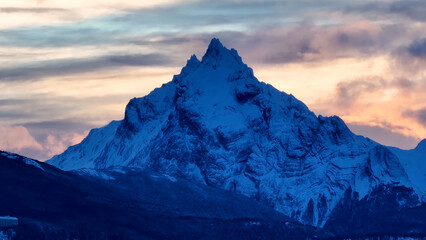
(129, 203)
(216, 126)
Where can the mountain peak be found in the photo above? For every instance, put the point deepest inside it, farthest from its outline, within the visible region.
(215, 43)
(214, 49)
(193, 61)
(218, 55)
(225, 62)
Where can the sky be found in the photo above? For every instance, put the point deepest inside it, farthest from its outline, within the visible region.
(69, 66)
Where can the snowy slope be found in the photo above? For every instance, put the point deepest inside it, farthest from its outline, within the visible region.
(27, 161)
(90, 148)
(414, 163)
(122, 203)
(216, 124)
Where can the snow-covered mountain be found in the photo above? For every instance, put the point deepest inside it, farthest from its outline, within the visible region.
(414, 163)
(216, 124)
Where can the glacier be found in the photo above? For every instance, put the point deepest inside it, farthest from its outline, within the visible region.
(216, 124)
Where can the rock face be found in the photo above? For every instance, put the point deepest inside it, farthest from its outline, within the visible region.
(216, 124)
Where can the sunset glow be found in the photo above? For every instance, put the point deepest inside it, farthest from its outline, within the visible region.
(70, 66)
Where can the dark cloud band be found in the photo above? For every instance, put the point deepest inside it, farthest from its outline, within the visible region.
(419, 115)
(44, 69)
(418, 48)
(31, 10)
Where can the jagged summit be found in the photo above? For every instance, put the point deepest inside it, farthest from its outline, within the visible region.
(223, 61)
(216, 124)
(218, 55)
(214, 50)
(193, 61)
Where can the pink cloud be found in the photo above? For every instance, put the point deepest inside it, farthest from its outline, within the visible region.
(17, 138)
(54, 145)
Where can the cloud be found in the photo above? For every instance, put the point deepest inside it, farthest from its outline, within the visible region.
(387, 135)
(11, 115)
(280, 31)
(409, 9)
(410, 59)
(61, 35)
(56, 136)
(266, 33)
(348, 92)
(17, 138)
(418, 48)
(51, 111)
(54, 145)
(372, 89)
(115, 28)
(67, 130)
(419, 115)
(71, 66)
(59, 125)
(11, 102)
(30, 10)
(313, 42)
(405, 84)
(188, 17)
(372, 106)
(26, 13)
